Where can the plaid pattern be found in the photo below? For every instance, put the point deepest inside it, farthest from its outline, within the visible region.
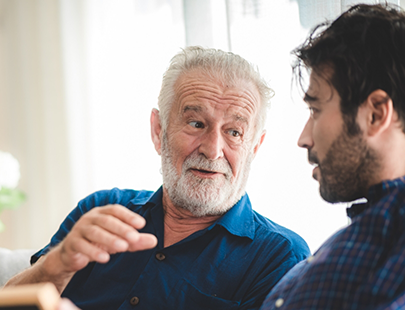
(360, 267)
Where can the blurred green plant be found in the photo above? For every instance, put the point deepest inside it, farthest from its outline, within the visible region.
(10, 197)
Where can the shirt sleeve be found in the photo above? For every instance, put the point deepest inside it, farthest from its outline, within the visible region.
(284, 257)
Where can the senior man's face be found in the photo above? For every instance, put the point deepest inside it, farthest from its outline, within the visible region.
(208, 146)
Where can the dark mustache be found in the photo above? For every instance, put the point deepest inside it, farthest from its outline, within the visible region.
(312, 158)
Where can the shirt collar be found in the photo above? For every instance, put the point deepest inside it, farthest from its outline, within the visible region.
(237, 221)
(375, 193)
(356, 209)
(157, 196)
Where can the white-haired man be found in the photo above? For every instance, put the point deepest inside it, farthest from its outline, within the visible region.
(203, 246)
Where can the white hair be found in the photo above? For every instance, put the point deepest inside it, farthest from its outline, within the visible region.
(223, 66)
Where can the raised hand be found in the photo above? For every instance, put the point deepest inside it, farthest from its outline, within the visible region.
(97, 234)
(100, 232)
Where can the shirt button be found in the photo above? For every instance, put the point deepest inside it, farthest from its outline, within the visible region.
(279, 302)
(134, 301)
(160, 256)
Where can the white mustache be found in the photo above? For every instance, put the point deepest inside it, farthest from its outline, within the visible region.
(194, 161)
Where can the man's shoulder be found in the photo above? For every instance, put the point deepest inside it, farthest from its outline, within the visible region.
(123, 197)
(269, 231)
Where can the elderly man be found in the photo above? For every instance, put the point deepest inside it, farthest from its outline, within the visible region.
(355, 137)
(203, 246)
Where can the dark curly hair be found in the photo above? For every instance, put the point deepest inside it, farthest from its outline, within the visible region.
(365, 48)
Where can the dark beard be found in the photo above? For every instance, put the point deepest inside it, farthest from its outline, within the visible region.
(348, 168)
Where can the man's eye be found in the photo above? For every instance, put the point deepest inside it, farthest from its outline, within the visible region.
(234, 133)
(196, 124)
(313, 110)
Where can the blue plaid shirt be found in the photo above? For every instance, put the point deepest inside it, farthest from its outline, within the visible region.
(360, 267)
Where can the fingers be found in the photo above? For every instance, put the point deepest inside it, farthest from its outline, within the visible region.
(78, 252)
(125, 215)
(114, 228)
(66, 304)
(145, 242)
(111, 233)
(103, 231)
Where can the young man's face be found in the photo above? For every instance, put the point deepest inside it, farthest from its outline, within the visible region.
(208, 145)
(344, 163)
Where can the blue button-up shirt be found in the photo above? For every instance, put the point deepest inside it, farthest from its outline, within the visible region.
(232, 264)
(360, 267)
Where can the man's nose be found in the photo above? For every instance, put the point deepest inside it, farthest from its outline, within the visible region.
(305, 140)
(212, 144)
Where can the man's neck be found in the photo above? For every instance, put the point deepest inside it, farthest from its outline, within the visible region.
(392, 159)
(180, 223)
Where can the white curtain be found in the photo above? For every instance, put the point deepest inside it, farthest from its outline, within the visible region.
(78, 79)
(32, 118)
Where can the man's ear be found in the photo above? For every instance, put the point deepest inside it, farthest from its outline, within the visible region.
(259, 143)
(156, 130)
(379, 112)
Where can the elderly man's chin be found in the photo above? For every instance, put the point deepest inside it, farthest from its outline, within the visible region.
(202, 197)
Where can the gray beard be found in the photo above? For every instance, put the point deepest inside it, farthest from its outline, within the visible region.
(202, 197)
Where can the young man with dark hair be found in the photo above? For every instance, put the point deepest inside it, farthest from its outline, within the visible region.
(355, 138)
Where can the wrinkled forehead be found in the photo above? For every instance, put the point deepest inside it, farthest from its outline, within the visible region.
(198, 85)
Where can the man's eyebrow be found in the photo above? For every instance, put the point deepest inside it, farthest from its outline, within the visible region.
(308, 98)
(195, 108)
(240, 118)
